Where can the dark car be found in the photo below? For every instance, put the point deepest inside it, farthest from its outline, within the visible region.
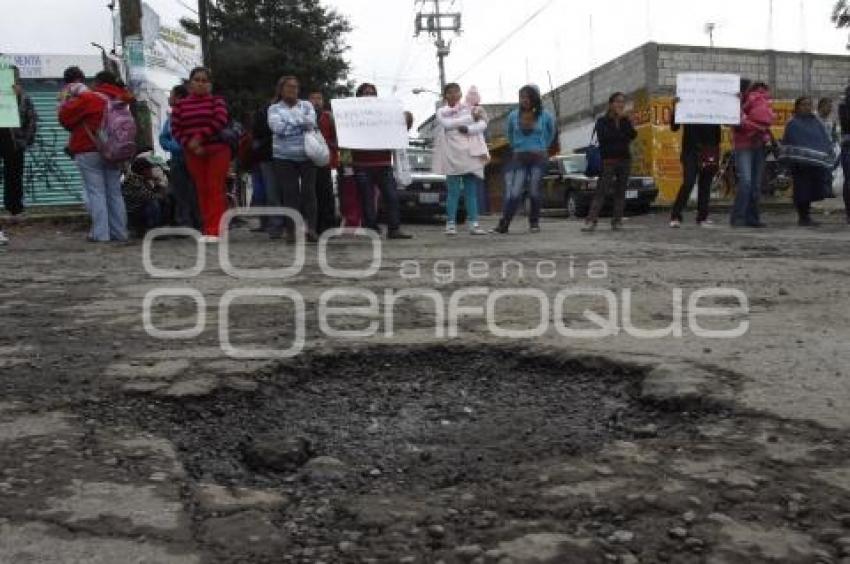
(425, 198)
(565, 186)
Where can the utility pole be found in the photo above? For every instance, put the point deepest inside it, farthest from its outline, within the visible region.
(132, 45)
(434, 23)
(204, 25)
(131, 19)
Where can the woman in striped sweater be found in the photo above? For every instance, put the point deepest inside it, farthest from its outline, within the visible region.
(197, 122)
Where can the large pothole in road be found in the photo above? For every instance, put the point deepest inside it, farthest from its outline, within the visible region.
(420, 418)
(383, 448)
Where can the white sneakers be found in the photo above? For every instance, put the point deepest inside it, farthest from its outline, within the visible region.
(706, 223)
(209, 239)
(3, 239)
(675, 224)
(474, 229)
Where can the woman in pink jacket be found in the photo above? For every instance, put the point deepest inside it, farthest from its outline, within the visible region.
(750, 140)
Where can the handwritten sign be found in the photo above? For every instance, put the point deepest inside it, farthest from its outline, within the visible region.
(9, 116)
(710, 98)
(370, 123)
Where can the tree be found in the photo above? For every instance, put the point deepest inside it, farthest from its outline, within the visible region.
(254, 42)
(841, 14)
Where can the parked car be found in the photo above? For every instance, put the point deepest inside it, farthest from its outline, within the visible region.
(566, 186)
(425, 198)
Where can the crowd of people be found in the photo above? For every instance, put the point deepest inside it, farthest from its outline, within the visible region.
(125, 188)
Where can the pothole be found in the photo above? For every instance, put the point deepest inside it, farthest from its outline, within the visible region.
(386, 454)
(397, 419)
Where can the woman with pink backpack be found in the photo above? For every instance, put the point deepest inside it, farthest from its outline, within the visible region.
(750, 140)
(102, 140)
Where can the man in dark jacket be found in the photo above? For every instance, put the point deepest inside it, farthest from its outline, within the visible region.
(700, 160)
(13, 144)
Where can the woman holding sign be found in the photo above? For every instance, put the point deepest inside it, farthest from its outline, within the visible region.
(375, 169)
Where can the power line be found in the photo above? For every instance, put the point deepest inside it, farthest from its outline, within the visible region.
(186, 6)
(507, 38)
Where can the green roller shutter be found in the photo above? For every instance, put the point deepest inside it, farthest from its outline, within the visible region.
(50, 176)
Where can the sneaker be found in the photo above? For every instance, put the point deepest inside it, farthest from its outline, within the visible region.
(501, 228)
(589, 227)
(210, 239)
(312, 237)
(476, 230)
(398, 234)
(3, 239)
(675, 223)
(17, 218)
(451, 230)
(616, 226)
(808, 222)
(705, 223)
(534, 229)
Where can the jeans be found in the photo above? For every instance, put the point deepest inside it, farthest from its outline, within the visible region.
(325, 204)
(517, 175)
(693, 173)
(367, 178)
(13, 175)
(845, 166)
(185, 196)
(294, 187)
(467, 184)
(749, 164)
(103, 194)
(209, 172)
(614, 180)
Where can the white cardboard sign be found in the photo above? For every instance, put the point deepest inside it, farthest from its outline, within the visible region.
(710, 98)
(370, 123)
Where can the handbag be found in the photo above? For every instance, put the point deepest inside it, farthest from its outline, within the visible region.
(402, 172)
(316, 148)
(594, 157)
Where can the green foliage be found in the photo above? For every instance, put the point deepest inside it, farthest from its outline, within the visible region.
(841, 14)
(254, 42)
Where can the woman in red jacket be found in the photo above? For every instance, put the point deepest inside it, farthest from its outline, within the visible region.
(197, 122)
(83, 116)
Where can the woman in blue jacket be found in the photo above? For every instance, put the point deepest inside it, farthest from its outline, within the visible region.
(531, 131)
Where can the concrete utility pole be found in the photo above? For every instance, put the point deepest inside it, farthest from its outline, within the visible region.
(131, 19)
(434, 23)
(204, 25)
(131, 29)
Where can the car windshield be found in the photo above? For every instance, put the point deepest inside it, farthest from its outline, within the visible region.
(420, 160)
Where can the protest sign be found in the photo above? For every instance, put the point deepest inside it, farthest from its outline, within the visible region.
(370, 123)
(710, 98)
(9, 116)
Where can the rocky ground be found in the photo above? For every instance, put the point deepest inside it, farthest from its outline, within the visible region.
(120, 447)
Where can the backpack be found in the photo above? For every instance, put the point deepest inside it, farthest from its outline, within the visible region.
(116, 137)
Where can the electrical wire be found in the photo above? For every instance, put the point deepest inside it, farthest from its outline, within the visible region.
(506, 38)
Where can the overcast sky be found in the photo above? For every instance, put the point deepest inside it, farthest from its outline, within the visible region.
(561, 40)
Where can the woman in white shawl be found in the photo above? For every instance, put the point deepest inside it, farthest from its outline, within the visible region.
(460, 152)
